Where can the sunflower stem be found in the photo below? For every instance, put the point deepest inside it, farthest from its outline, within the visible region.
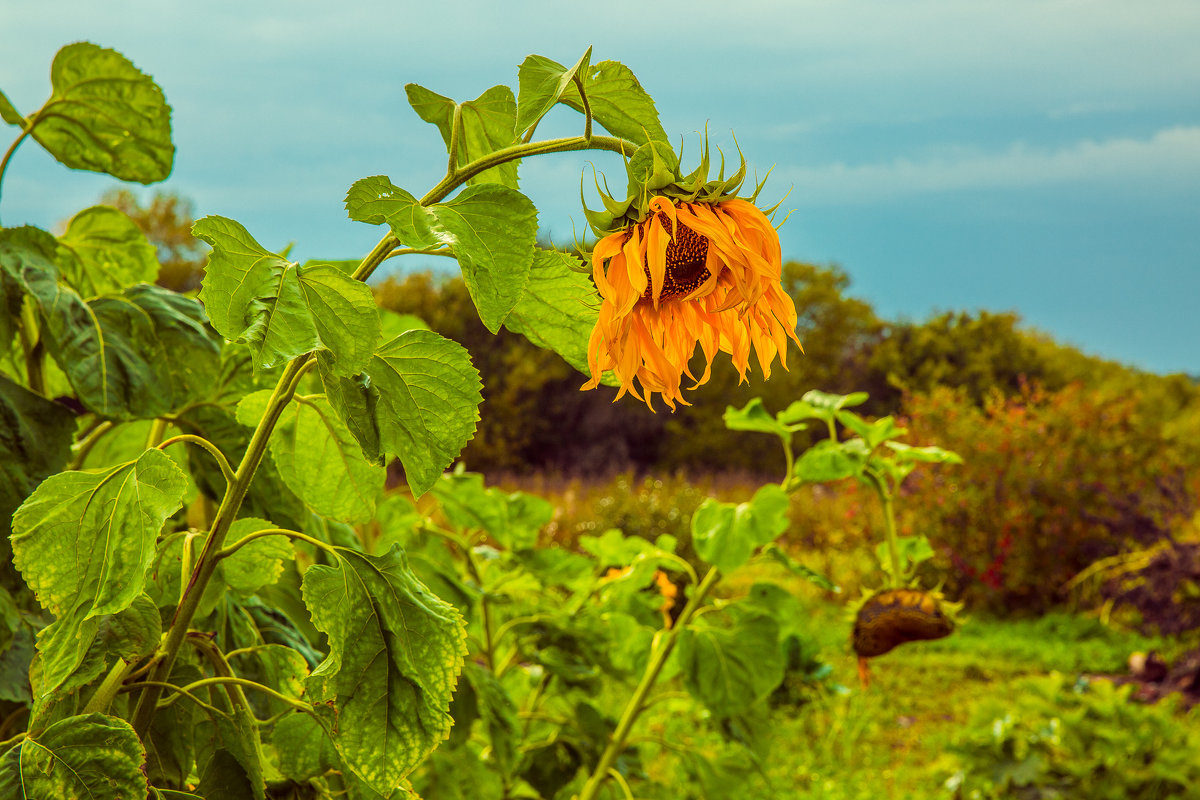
(661, 649)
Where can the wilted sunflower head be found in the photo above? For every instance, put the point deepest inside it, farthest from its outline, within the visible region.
(682, 262)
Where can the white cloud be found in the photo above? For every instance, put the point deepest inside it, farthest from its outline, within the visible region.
(1170, 159)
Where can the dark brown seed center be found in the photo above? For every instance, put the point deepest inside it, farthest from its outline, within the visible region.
(686, 255)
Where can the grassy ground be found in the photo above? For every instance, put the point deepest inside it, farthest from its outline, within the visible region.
(891, 740)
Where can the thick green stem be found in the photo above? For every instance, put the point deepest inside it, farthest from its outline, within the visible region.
(235, 493)
(637, 702)
(109, 687)
(889, 524)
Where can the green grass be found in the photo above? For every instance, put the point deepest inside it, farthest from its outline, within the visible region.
(891, 740)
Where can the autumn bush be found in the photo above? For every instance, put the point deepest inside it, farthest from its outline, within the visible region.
(1053, 481)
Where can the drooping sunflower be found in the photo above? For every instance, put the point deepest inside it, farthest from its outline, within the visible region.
(684, 262)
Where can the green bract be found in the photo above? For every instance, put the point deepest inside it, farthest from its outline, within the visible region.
(653, 171)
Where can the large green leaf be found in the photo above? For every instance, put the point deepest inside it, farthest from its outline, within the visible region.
(83, 542)
(491, 229)
(488, 124)
(103, 251)
(726, 535)
(105, 115)
(618, 102)
(729, 669)
(281, 309)
(558, 309)
(542, 84)
(35, 441)
(318, 458)
(140, 353)
(92, 756)
(418, 399)
(395, 653)
(129, 634)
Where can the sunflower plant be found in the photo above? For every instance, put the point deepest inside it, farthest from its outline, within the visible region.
(204, 590)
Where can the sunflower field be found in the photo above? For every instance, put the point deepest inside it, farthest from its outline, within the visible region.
(250, 552)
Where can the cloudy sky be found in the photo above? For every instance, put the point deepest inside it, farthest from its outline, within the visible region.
(1042, 157)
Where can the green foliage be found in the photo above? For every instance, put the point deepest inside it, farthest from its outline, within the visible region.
(490, 228)
(395, 652)
(210, 622)
(281, 309)
(416, 399)
(91, 755)
(83, 542)
(1062, 738)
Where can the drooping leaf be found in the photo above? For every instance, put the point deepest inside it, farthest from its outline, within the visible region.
(310, 437)
(35, 442)
(83, 542)
(726, 535)
(492, 230)
(103, 251)
(488, 124)
(418, 399)
(92, 756)
(833, 402)
(281, 309)
(728, 669)
(129, 634)
(395, 653)
(105, 115)
(114, 349)
(558, 309)
(827, 461)
(618, 102)
(542, 84)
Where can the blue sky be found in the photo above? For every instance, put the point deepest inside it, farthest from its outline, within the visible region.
(1042, 157)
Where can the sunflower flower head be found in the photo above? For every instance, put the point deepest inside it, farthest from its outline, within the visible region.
(683, 261)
